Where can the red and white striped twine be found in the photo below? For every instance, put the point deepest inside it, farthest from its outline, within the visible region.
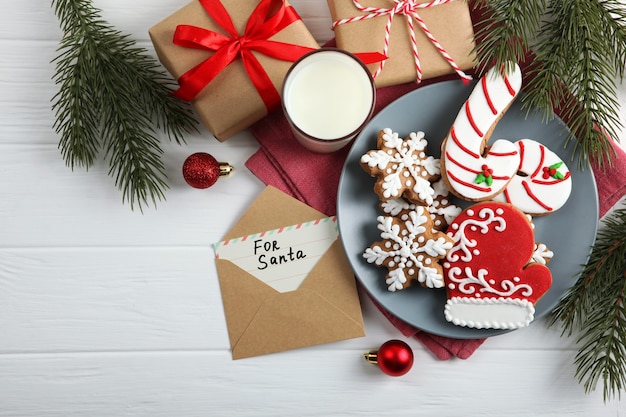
(409, 9)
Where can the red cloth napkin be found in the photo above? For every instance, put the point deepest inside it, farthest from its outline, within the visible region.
(314, 178)
(611, 182)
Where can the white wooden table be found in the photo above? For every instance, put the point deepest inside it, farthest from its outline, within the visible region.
(109, 312)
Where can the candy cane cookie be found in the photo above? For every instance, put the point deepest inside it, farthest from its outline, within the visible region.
(543, 182)
(470, 168)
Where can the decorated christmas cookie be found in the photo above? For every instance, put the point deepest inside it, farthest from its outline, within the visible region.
(402, 167)
(410, 249)
(470, 169)
(543, 183)
(541, 254)
(491, 277)
(442, 211)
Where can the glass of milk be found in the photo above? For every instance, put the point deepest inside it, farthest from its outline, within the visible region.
(328, 96)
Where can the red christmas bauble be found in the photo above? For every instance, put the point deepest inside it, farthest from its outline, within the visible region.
(394, 357)
(201, 170)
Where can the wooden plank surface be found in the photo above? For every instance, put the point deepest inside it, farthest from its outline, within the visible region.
(109, 312)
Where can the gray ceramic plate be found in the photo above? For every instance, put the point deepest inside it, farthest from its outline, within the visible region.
(569, 232)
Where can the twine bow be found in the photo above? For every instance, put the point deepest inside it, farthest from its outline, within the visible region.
(267, 19)
(408, 8)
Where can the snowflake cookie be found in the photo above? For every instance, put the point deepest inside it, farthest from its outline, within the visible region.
(402, 167)
(541, 254)
(442, 211)
(410, 250)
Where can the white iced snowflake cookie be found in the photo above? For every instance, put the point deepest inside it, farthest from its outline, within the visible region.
(410, 249)
(402, 167)
(543, 182)
(471, 169)
(442, 211)
(541, 255)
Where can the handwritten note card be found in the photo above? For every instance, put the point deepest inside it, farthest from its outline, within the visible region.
(281, 258)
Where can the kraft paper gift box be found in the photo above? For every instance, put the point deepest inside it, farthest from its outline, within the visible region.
(324, 308)
(449, 23)
(230, 102)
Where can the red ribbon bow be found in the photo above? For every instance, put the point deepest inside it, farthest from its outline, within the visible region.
(267, 19)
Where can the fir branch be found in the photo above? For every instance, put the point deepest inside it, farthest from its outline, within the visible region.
(113, 95)
(595, 307)
(613, 16)
(506, 31)
(580, 48)
(576, 32)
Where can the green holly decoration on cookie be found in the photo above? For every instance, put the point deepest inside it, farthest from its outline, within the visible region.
(552, 171)
(485, 176)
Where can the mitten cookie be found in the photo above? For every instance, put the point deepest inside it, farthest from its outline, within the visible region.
(491, 279)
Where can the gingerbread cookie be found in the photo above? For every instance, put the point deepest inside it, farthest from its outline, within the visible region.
(410, 250)
(402, 167)
(470, 169)
(491, 278)
(543, 182)
(442, 211)
(541, 255)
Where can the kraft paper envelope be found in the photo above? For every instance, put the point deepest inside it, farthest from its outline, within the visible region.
(261, 320)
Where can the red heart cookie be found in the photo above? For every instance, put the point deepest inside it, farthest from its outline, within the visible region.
(489, 280)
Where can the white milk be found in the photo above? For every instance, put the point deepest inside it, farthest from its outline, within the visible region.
(328, 95)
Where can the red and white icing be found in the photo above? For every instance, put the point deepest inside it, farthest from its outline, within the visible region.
(489, 280)
(543, 183)
(467, 165)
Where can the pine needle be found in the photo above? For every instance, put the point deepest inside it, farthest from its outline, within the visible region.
(595, 308)
(580, 48)
(113, 96)
(506, 30)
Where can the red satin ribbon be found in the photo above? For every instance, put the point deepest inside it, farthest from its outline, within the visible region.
(267, 19)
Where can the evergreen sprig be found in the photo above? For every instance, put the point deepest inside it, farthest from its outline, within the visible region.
(595, 308)
(506, 30)
(580, 49)
(113, 96)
